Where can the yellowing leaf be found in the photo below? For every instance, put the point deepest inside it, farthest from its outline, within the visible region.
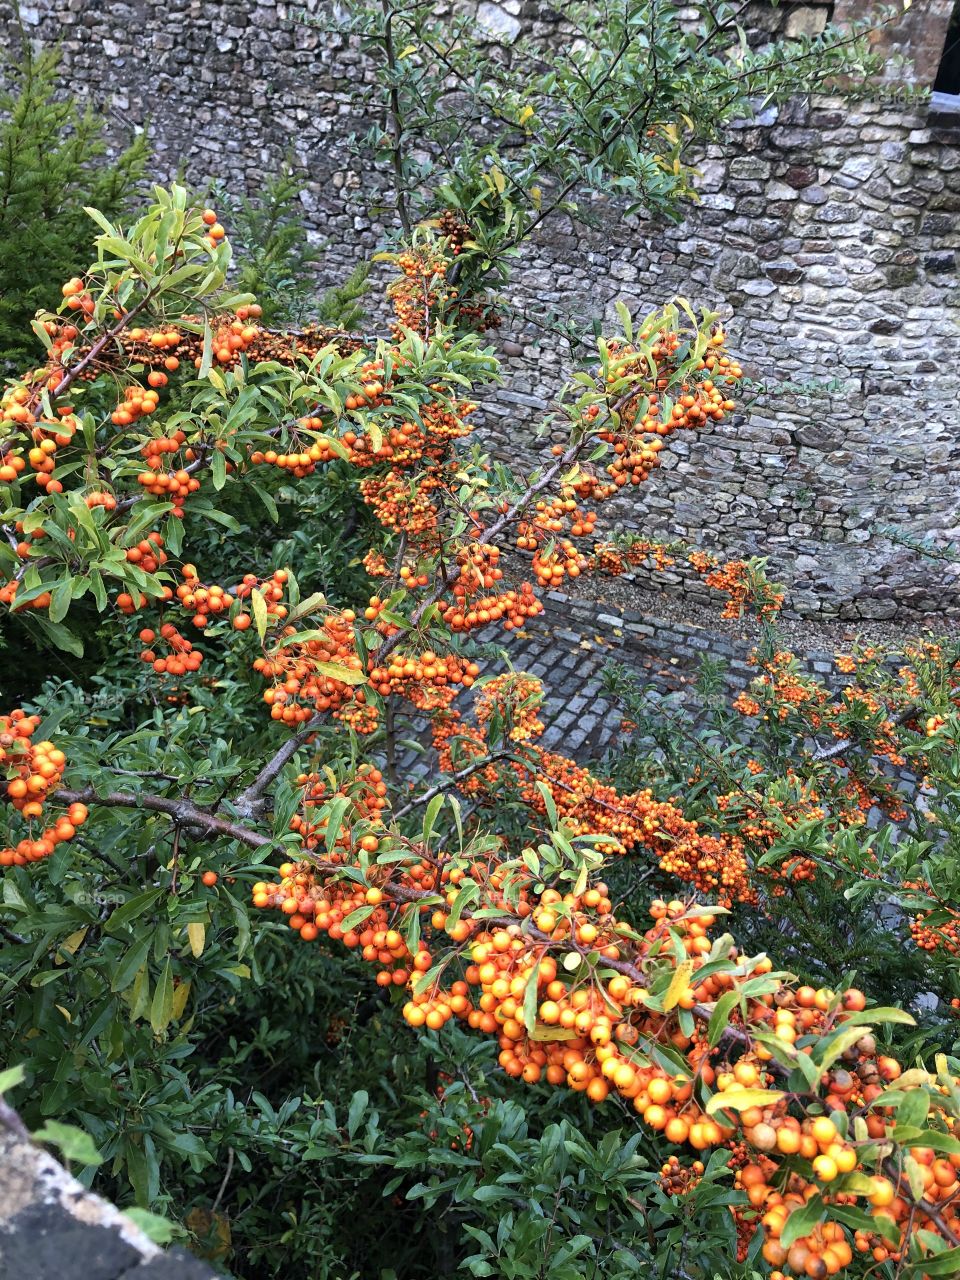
(581, 884)
(740, 1099)
(499, 181)
(860, 1184)
(213, 1230)
(66, 1013)
(139, 994)
(71, 943)
(525, 115)
(542, 1031)
(405, 53)
(258, 607)
(536, 195)
(915, 1078)
(914, 1177)
(346, 675)
(197, 935)
(181, 995)
(678, 985)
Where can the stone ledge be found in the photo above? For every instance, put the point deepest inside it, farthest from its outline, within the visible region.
(50, 1226)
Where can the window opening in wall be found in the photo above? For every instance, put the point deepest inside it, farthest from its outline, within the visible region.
(945, 99)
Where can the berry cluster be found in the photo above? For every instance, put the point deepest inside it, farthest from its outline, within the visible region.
(478, 572)
(428, 680)
(318, 674)
(173, 484)
(181, 657)
(33, 771)
(713, 864)
(742, 582)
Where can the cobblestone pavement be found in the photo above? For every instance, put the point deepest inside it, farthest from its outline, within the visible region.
(571, 644)
(569, 647)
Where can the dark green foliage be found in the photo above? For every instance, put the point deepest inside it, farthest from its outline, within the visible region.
(340, 306)
(279, 264)
(52, 165)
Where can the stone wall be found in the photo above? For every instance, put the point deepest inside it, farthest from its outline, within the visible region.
(827, 232)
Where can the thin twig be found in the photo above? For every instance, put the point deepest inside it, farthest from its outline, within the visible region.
(223, 1185)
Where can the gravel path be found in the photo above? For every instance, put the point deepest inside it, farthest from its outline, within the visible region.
(804, 635)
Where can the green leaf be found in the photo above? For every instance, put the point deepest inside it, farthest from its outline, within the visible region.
(802, 1221)
(530, 1001)
(61, 598)
(943, 1264)
(838, 1045)
(334, 813)
(359, 1104)
(267, 500)
(100, 219)
(720, 1018)
(882, 1013)
(356, 917)
(154, 1227)
(11, 1077)
(625, 319)
(133, 959)
(161, 1007)
(61, 637)
(74, 1143)
(206, 359)
(466, 897)
(130, 910)
(430, 817)
(548, 802)
(910, 1136)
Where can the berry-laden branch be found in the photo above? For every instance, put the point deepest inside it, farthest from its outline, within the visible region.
(803, 1102)
(653, 1016)
(453, 781)
(635, 1014)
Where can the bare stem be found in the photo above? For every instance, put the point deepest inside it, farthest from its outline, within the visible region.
(250, 801)
(395, 122)
(184, 812)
